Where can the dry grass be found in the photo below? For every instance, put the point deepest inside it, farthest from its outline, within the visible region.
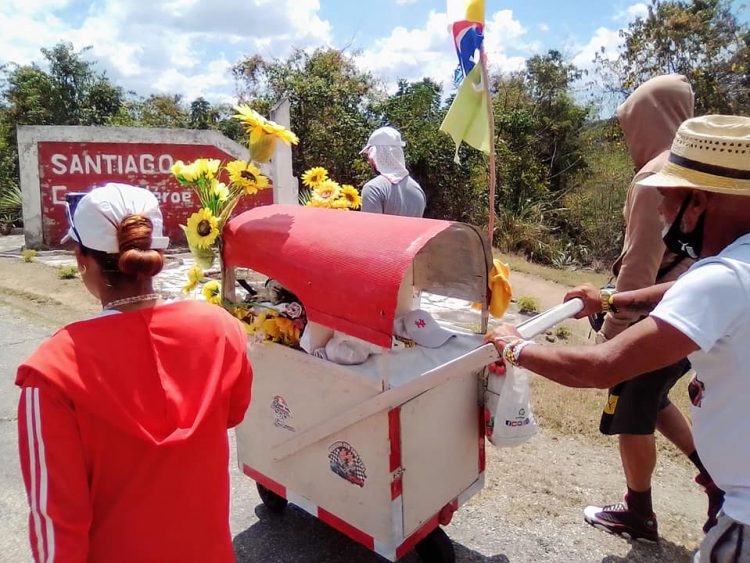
(564, 411)
(567, 277)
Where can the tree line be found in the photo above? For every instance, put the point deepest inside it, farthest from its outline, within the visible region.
(562, 169)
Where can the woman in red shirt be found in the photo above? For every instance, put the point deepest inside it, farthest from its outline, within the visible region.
(123, 418)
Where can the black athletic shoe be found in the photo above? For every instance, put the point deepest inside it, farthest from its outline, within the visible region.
(620, 520)
(715, 500)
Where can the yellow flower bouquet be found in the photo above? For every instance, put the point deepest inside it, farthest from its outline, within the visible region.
(219, 199)
(322, 191)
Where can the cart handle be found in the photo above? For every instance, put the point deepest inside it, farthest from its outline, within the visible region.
(468, 363)
(549, 318)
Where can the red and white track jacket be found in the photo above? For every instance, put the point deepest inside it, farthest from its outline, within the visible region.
(123, 436)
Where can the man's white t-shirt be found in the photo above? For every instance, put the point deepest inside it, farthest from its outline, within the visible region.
(711, 305)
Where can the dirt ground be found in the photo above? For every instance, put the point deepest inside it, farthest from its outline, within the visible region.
(569, 466)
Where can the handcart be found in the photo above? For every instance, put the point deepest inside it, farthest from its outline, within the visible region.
(385, 451)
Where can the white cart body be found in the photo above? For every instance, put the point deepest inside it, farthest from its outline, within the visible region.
(387, 451)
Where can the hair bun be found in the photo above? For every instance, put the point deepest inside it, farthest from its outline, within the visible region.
(134, 240)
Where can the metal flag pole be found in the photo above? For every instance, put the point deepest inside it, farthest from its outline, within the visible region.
(492, 161)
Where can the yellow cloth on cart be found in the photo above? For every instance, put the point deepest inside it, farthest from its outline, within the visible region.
(500, 288)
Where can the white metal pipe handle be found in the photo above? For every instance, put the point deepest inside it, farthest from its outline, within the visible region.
(545, 321)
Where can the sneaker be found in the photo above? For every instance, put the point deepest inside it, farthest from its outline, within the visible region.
(715, 500)
(618, 519)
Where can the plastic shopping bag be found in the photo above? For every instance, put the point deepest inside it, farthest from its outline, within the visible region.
(508, 417)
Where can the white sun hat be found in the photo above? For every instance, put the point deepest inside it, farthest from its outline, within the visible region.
(710, 153)
(96, 217)
(420, 327)
(386, 149)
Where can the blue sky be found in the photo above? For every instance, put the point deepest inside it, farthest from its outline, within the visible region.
(187, 46)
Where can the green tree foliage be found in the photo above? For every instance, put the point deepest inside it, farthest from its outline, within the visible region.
(202, 115)
(328, 96)
(65, 90)
(68, 92)
(539, 126)
(701, 39)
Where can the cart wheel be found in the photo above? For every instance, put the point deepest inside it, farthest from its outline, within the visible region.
(437, 547)
(273, 502)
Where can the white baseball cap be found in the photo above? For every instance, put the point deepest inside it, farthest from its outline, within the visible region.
(384, 137)
(96, 217)
(420, 327)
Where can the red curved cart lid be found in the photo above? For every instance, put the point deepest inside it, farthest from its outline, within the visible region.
(345, 267)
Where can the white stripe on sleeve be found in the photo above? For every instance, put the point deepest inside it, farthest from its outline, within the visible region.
(28, 396)
(43, 481)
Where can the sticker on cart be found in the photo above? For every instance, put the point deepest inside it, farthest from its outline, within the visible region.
(346, 463)
(282, 416)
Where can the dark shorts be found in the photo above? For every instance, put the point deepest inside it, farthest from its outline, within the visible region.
(632, 406)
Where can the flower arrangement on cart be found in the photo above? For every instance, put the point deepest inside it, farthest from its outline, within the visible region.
(274, 314)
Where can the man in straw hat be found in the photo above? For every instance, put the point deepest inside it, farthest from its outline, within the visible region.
(393, 191)
(705, 315)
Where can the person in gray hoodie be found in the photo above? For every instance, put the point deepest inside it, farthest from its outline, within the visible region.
(650, 117)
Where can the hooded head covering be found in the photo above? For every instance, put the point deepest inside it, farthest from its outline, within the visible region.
(386, 150)
(651, 116)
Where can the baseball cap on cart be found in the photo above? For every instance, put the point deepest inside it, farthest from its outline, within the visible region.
(94, 217)
(420, 327)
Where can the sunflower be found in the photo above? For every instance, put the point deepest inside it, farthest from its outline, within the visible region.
(263, 133)
(247, 176)
(280, 132)
(212, 292)
(341, 204)
(249, 117)
(288, 332)
(178, 171)
(194, 275)
(190, 172)
(315, 176)
(351, 195)
(220, 190)
(327, 190)
(208, 167)
(202, 229)
(241, 313)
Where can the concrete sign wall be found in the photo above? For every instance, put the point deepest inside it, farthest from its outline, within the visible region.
(57, 160)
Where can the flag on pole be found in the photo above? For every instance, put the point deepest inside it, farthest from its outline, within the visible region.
(466, 120)
(468, 33)
(468, 10)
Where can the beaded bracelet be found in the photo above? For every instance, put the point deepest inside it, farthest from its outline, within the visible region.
(512, 351)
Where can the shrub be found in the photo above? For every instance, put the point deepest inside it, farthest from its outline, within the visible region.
(67, 272)
(28, 255)
(563, 332)
(528, 305)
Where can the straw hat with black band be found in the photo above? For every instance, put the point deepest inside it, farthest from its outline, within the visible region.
(710, 153)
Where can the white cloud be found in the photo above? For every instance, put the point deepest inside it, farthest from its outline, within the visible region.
(428, 51)
(639, 10)
(180, 46)
(406, 2)
(605, 42)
